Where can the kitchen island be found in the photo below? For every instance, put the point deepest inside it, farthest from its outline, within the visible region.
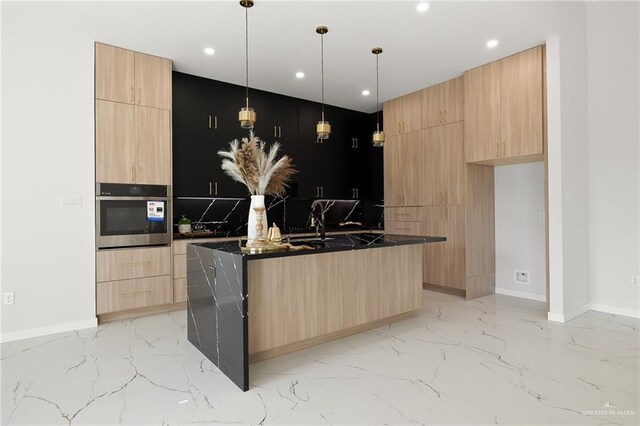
(243, 308)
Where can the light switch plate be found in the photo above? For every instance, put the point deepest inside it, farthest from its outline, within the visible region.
(71, 201)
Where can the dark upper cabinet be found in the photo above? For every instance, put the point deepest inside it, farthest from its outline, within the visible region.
(205, 120)
(277, 117)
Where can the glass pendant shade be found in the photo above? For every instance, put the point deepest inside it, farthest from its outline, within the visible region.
(247, 117)
(323, 130)
(378, 138)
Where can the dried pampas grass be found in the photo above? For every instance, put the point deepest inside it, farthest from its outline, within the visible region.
(249, 163)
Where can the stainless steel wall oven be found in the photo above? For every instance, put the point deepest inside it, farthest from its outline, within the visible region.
(131, 215)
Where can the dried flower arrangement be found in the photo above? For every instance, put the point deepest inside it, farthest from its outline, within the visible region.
(248, 162)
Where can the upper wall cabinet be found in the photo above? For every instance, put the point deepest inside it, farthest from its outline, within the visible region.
(132, 77)
(503, 109)
(443, 103)
(403, 114)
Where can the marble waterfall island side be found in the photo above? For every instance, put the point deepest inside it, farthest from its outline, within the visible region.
(243, 308)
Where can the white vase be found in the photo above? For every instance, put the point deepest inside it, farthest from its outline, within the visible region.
(184, 228)
(253, 234)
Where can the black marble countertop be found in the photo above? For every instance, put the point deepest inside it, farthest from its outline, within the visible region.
(230, 234)
(332, 243)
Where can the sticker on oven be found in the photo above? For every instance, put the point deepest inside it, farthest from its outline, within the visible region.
(155, 211)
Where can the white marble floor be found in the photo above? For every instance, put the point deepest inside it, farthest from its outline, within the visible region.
(495, 360)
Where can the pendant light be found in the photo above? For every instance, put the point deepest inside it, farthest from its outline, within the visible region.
(246, 115)
(323, 129)
(378, 136)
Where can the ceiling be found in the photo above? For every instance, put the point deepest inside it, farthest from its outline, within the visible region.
(420, 49)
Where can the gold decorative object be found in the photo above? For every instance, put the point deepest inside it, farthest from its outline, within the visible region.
(323, 128)
(247, 116)
(274, 236)
(378, 135)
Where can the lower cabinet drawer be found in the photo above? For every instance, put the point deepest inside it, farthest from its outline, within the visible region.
(403, 214)
(114, 296)
(403, 228)
(112, 265)
(179, 290)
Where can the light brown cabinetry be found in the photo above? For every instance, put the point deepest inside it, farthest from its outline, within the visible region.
(132, 77)
(298, 301)
(133, 278)
(443, 103)
(133, 144)
(403, 114)
(444, 192)
(444, 263)
(443, 164)
(503, 110)
(402, 160)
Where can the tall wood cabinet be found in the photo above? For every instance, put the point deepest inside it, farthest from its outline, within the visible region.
(504, 110)
(132, 145)
(403, 114)
(403, 161)
(441, 189)
(132, 77)
(443, 103)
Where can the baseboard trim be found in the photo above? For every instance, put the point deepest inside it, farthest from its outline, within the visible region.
(45, 331)
(551, 316)
(607, 309)
(521, 294)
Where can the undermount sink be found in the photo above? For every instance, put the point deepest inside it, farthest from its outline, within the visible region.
(309, 240)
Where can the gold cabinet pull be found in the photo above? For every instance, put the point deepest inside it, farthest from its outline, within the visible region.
(139, 174)
(445, 115)
(504, 147)
(498, 150)
(209, 121)
(215, 122)
(274, 132)
(210, 188)
(139, 95)
(131, 95)
(133, 179)
(279, 131)
(440, 116)
(446, 197)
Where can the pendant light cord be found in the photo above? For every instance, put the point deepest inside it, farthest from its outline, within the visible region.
(322, 68)
(377, 95)
(246, 52)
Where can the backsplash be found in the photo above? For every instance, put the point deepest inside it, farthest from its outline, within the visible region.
(228, 216)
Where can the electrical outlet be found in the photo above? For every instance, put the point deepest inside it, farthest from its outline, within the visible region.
(635, 280)
(8, 298)
(541, 216)
(521, 277)
(71, 202)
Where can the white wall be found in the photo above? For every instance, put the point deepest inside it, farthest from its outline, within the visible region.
(520, 234)
(614, 138)
(47, 151)
(574, 146)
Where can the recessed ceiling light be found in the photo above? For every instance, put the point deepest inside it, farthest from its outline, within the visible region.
(492, 43)
(209, 50)
(365, 93)
(300, 74)
(422, 7)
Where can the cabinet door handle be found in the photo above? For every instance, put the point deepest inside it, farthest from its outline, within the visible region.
(446, 197)
(317, 191)
(440, 117)
(498, 149)
(139, 95)
(445, 116)
(215, 122)
(139, 174)
(215, 187)
(357, 193)
(504, 147)
(132, 264)
(357, 142)
(210, 188)
(131, 95)
(133, 178)
(322, 191)
(279, 131)
(209, 121)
